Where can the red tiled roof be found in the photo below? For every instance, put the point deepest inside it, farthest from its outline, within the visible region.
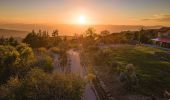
(166, 40)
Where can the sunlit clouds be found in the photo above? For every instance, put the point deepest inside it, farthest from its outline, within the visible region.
(110, 12)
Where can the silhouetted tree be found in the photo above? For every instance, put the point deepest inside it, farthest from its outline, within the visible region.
(55, 37)
(8, 41)
(105, 33)
(36, 40)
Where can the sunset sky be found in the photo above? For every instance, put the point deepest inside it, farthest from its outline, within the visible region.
(114, 12)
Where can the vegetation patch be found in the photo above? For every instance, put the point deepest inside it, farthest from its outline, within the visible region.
(151, 70)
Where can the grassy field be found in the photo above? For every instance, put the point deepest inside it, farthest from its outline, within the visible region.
(152, 67)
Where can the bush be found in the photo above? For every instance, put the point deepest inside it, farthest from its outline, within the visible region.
(55, 50)
(14, 61)
(38, 85)
(45, 63)
(25, 52)
(128, 77)
(42, 50)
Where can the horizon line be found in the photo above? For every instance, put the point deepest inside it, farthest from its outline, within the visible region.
(48, 24)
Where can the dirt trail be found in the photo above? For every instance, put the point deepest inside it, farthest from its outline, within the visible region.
(77, 68)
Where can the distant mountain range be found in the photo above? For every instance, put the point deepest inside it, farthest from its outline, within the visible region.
(21, 30)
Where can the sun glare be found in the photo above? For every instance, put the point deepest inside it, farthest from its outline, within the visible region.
(82, 19)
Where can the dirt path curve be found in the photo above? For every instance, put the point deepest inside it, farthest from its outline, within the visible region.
(77, 68)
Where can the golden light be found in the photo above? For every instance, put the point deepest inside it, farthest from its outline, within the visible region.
(82, 19)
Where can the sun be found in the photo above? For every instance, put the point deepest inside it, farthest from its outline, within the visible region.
(82, 19)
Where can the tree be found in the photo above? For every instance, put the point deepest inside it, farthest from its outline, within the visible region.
(37, 40)
(56, 38)
(8, 41)
(89, 39)
(140, 34)
(12, 41)
(90, 32)
(55, 33)
(105, 33)
(2, 40)
(104, 38)
(32, 39)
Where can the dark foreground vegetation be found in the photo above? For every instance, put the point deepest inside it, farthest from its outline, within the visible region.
(27, 71)
(120, 60)
(127, 69)
(150, 66)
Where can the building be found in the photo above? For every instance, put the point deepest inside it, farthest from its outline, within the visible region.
(163, 38)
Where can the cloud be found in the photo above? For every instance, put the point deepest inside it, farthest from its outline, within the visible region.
(159, 18)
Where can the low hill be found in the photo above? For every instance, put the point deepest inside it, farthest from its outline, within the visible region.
(65, 29)
(13, 33)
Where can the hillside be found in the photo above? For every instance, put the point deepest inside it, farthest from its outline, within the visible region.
(13, 33)
(68, 29)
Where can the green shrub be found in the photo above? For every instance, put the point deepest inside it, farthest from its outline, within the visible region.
(25, 52)
(45, 63)
(38, 85)
(55, 50)
(42, 50)
(14, 61)
(128, 77)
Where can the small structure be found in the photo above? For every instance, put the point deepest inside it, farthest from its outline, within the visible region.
(163, 38)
